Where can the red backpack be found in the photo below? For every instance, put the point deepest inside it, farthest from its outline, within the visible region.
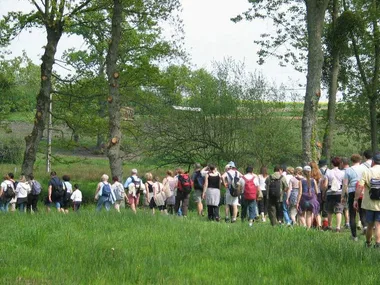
(184, 183)
(250, 189)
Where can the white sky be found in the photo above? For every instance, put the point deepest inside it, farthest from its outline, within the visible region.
(209, 36)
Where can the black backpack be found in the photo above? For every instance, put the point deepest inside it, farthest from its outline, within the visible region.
(234, 186)
(274, 188)
(57, 189)
(9, 193)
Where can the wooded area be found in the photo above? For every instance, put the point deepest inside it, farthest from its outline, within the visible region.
(127, 79)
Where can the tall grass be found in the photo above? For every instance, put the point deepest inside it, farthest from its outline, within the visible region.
(106, 248)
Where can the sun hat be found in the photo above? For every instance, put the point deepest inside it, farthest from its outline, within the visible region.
(307, 168)
(232, 164)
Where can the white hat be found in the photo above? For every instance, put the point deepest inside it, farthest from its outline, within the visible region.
(232, 164)
(307, 168)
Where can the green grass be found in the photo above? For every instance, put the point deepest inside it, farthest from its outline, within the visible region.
(111, 248)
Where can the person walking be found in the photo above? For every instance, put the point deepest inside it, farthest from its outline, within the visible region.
(232, 201)
(104, 194)
(263, 203)
(119, 191)
(276, 185)
(34, 194)
(184, 187)
(370, 185)
(7, 192)
(211, 192)
(68, 191)
(292, 197)
(250, 188)
(22, 191)
(76, 197)
(134, 186)
(198, 181)
(56, 193)
(170, 185)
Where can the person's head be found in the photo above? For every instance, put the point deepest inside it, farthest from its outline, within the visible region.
(264, 171)
(134, 171)
(149, 176)
(290, 170)
(277, 168)
(211, 167)
(31, 177)
(345, 162)
(367, 154)
(356, 158)
(298, 170)
(53, 173)
(180, 171)
(76, 186)
(249, 169)
(66, 177)
(156, 178)
(104, 177)
(336, 161)
(11, 175)
(376, 159)
(322, 163)
(169, 173)
(22, 178)
(115, 178)
(232, 165)
(283, 167)
(6, 176)
(307, 171)
(197, 166)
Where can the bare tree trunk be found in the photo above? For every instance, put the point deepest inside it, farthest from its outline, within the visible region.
(333, 88)
(113, 147)
(33, 140)
(315, 20)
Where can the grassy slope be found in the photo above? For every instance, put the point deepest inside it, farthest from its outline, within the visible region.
(78, 249)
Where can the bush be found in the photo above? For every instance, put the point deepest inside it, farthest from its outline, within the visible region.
(11, 151)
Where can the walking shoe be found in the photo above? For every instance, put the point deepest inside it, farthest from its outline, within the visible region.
(364, 231)
(337, 230)
(250, 224)
(263, 219)
(367, 244)
(354, 238)
(359, 226)
(347, 226)
(227, 220)
(233, 221)
(376, 245)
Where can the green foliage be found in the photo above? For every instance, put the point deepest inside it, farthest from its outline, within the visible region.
(99, 249)
(11, 151)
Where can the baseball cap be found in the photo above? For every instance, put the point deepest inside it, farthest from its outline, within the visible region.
(322, 162)
(307, 168)
(376, 158)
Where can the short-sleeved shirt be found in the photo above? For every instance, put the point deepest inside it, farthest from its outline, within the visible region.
(129, 180)
(249, 176)
(353, 174)
(339, 175)
(368, 203)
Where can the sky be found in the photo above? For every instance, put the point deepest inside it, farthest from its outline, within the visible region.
(210, 36)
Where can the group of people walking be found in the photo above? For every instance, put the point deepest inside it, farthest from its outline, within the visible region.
(307, 196)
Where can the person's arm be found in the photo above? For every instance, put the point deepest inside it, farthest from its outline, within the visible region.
(299, 193)
(205, 185)
(360, 189)
(97, 190)
(289, 191)
(127, 182)
(72, 197)
(147, 191)
(49, 192)
(345, 187)
(316, 187)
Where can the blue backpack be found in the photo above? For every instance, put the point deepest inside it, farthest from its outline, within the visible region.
(106, 191)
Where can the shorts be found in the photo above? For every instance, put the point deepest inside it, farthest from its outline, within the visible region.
(372, 216)
(58, 205)
(197, 196)
(334, 204)
(231, 200)
(133, 200)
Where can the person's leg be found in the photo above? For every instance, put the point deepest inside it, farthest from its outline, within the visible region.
(244, 208)
(177, 201)
(293, 214)
(227, 206)
(279, 212)
(370, 218)
(272, 212)
(252, 211)
(352, 212)
(99, 204)
(309, 219)
(216, 213)
(285, 211)
(362, 214)
(185, 204)
(377, 233)
(107, 205)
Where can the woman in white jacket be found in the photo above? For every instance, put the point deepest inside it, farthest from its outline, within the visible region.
(22, 190)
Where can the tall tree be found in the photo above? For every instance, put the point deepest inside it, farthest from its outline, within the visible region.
(53, 16)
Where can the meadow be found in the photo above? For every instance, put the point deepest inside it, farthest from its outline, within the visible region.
(123, 248)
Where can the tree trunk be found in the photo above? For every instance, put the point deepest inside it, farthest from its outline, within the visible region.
(315, 20)
(333, 88)
(43, 99)
(113, 147)
(373, 121)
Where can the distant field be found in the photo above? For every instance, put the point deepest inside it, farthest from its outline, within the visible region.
(111, 248)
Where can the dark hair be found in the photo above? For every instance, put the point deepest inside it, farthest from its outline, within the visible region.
(31, 176)
(367, 154)
(249, 169)
(66, 177)
(277, 168)
(11, 175)
(336, 161)
(53, 173)
(211, 167)
(115, 178)
(264, 170)
(76, 186)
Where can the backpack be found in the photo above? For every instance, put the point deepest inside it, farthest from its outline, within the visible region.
(374, 191)
(250, 189)
(57, 189)
(184, 183)
(137, 185)
(198, 181)
(234, 185)
(274, 189)
(9, 192)
(106, 190)
(36, 188)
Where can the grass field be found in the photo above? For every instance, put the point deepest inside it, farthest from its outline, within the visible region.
(112, 248)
